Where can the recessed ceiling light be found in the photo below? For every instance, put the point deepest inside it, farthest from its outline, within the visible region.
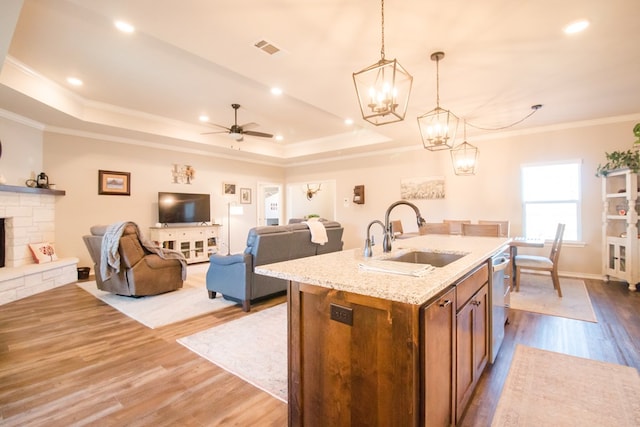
(276, 91)
(74, 81)
(348, 122)
(203, 118)
(279, 137)
(576, 26)
(125, 27)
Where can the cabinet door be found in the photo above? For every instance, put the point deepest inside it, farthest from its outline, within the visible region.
(438, 345)
(472, 346)
(464, 357)
(480, 331)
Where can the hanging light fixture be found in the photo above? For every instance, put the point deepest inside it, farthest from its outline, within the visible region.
(464, 157)
(383, 89)
(438, 127)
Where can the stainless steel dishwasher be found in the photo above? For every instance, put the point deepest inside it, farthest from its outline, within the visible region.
(499, 299)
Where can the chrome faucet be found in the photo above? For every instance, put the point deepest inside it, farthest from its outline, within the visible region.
(368, 250)
(388, 236)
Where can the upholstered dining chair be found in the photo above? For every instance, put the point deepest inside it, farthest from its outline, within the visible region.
(487, 230)
(536, 262)
(434, 228)
(455, 225)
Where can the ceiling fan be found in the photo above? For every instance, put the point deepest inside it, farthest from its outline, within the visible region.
(236, 131)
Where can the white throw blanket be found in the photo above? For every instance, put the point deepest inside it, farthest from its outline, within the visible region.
(318, 232)
(110, 257)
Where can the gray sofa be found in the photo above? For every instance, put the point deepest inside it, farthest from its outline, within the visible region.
(233, 275)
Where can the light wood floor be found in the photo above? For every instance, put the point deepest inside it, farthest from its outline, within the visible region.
(67, 358)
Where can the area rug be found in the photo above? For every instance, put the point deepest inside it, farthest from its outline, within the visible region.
(538, 295)
(159, 310)
(253, 348)
(544, 388)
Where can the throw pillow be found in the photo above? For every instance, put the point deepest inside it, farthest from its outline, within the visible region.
(43, 252)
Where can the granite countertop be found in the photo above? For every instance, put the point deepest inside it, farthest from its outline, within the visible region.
(341, 271)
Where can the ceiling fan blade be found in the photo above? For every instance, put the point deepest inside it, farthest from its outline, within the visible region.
(249, 125)
(211, 133)
(219, 126)
(260, 134)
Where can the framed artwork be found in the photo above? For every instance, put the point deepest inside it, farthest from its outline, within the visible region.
(114, 183)
(245, 195)
(431, 187)
(228, 188)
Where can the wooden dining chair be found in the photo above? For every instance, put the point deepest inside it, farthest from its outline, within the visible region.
(434, 228)
(455, 225)
(487, 230)
(396, 228)
(504, 226)
(536, 262)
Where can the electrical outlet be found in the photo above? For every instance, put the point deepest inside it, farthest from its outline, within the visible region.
(342, 314)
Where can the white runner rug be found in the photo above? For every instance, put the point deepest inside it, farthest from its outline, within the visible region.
(538, 295)
(253, 347)
(159, 310)
(545, 388)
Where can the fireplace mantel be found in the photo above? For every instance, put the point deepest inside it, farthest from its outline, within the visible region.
(31, 190)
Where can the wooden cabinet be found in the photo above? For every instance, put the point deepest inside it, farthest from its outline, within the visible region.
(361, 360)
(196, 243)
(621, 253)
(353, 359)
(438, 338)
(472, 351)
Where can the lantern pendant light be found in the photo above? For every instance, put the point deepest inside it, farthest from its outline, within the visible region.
(438, 127)
(383, 88)
(464, 157)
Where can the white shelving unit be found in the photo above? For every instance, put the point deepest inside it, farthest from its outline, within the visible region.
(196, 243)
(620, 255)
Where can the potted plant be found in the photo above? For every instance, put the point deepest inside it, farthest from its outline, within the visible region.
(619, 160)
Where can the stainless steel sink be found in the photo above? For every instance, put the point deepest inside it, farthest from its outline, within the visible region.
(436, 259)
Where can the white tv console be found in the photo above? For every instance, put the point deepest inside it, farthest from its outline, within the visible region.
(196, 242)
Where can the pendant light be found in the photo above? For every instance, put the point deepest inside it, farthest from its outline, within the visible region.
(438, 127)
(464, 157)
(383, 88)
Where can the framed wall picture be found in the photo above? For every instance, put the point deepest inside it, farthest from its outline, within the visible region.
(431, 187)
(228, 189)
(245, 195)
(114, 183)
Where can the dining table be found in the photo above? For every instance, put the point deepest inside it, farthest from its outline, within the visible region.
(521, 242)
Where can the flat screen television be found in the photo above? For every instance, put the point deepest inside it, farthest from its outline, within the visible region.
(183, 207)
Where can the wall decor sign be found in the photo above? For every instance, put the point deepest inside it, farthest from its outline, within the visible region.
(245, 195)
(431, 187)
(182, 174)
(228, 189)
(114, 183)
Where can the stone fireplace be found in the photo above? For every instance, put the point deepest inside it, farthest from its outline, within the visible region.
(29, 217)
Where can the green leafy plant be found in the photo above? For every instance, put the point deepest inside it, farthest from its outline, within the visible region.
(619, 160)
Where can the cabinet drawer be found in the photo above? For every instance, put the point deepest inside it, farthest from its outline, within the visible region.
(470, 285)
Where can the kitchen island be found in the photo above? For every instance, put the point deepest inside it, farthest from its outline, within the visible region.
(371, 348)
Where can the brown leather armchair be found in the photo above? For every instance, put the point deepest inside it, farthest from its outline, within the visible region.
(143, 270)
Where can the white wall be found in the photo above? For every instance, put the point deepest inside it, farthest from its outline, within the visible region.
(21, 152)
(321, 203)
(72, 162)
(493, 193)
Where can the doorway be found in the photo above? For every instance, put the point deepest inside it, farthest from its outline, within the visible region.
(270, 204)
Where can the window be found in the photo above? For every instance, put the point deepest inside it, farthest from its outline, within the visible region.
(551, 195)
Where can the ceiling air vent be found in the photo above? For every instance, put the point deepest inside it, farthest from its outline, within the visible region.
(267, 47)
